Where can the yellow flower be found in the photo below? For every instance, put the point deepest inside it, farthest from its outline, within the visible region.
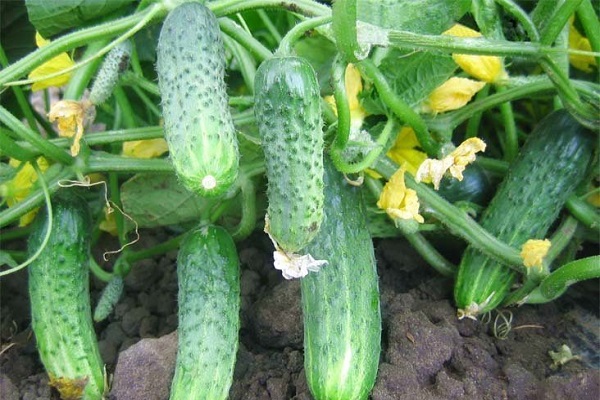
(534, 251)
(17, 189)
(58, 63)
(485, 68)
(397, 200)
(451, 95)
(579, 42)
(145, 148)
(454, 162)
(354, 86)
(404, 151)
(71, 116)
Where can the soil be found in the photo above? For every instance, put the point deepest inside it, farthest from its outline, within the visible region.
(427, 352)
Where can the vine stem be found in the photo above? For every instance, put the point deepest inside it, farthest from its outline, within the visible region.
(149, 15)
(399, 107)
(308, 8)
(286, 45)
(456, 220)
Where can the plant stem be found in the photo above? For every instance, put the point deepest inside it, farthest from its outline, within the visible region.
(78, 38)
(511, 143)
(48, 149)
(308, 8)
(248, 221)
(520, 15)
(557, 22)
(559, 281)
(456, 220)
(293, 35)
(400, 107)
(266, 20)
(591, 25)
(21, 99)
(584, 212)
(81, 77)
(106, 162)
(237, 33)
(10, 148)
(36, 198)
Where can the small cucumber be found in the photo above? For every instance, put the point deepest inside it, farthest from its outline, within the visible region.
(288, 113)
(342, 319)
(209, 306)
(551, 164)
(60, 302)
(191, 78)
(115, 63)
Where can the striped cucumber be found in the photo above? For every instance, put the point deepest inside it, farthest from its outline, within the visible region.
(552, 162)
(60, 302)
(342, 320)
(209, 306)
(288, 113)
(191, 78)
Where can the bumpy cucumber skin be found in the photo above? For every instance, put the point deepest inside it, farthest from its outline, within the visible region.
(288, 113)
(552, 162)
(209, 306)
(191, 78)
(342, 319)
(115, 63)
(59, 294)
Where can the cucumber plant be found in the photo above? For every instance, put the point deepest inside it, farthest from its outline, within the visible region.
(552, 163)
(233, 113)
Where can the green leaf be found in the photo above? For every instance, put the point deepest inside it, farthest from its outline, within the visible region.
(159, 199)
(415, 75)
(319, 51)
(423, 16)
(52, 17)
(6, 173)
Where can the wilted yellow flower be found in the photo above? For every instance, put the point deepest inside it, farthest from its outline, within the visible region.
(404, 151)
(353, 83)
(455, 162)
(58, 63)
(397, 200)
(534, 251)
(451, 95)
(71, 116)
(149, 148)
(485, 68)
(579, 42)
(17, 189)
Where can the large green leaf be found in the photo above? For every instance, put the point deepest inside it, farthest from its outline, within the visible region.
(159, 199)
(52, 17)
(419, 16)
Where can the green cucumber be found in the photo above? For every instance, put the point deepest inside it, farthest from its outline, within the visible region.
(114, 64)
(60, 302)
(209, 306)
(551, 164)
(342, 319)
(288, 112)
(190, 62)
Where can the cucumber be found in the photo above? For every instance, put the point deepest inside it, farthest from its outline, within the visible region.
(61, 315)
(115, 63)
(288, 113)
(342, 319)
(209, 306)
(191, 79)
(551, 164)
